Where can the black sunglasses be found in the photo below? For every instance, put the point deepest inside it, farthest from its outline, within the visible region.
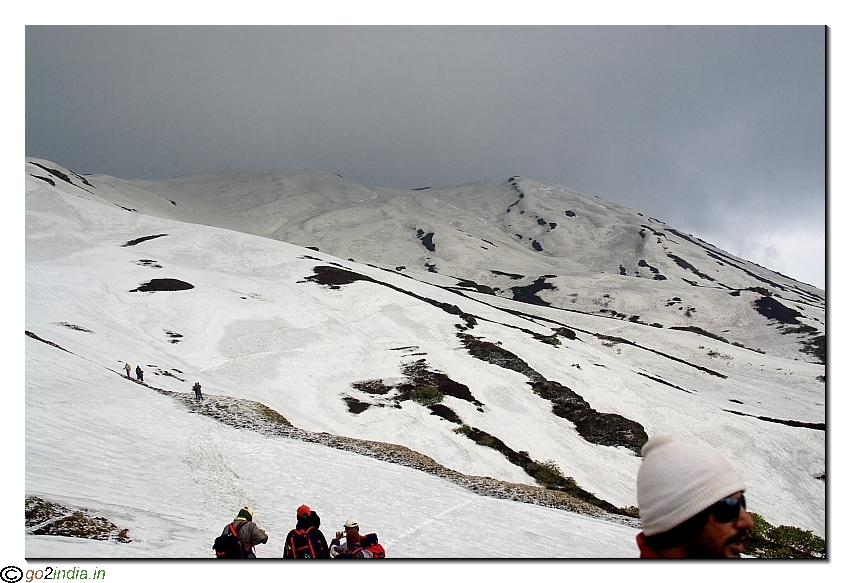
(728, 509)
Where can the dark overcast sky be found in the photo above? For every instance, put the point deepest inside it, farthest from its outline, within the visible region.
(717, 131)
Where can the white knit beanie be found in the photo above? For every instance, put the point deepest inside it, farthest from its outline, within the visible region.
(678, 480)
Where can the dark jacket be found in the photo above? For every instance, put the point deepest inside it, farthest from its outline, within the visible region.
(250, 535)
(317, 545)
(344, 551)
(307, 526)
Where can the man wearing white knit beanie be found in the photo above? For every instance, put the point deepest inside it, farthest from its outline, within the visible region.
(691, 502)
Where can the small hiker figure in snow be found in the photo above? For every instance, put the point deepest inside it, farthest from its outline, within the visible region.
(127, 369)
(140, 373)
(197, 389)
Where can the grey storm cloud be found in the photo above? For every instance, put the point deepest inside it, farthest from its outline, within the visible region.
(718, 131)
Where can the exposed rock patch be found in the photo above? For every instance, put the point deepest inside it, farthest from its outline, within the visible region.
(74, 327)
(244, 414)
(49, 518)
(419, 381)
(427, 239)
(775, 310)
(35, 337)
(528, 293)
(685, 265)
(166, 284)
(788, 422)
(142, 239)
(593, 426)
(45, 178)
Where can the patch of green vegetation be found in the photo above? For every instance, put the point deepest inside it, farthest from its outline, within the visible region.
(610, 341)
(422, 385)
(549, 475)
(433, 383)
(632, 511)
(488, 441)
(427, 395)
(783, 542)
(546, 473)
(656, 325)
(463, 430)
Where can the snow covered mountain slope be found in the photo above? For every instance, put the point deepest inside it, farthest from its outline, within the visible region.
(346, 351)
(515, 238)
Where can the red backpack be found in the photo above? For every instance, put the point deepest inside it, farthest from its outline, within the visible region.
(305, 544)
(371, 544)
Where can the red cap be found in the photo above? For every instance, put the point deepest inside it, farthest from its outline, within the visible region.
(303, 510)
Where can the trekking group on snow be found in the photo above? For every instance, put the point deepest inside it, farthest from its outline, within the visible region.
(305, 541)
(139, 372)
(691, 504)
(140, 376)
(690, 498)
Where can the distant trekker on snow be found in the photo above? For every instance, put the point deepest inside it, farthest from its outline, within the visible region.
(140, 373)
(238, 539)
(356, 547)
(691, 502)
(306, 541)
(197, 388)
(127, 369)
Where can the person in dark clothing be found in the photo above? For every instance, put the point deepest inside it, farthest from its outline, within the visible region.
(140, 373)
(306, 541)
(197, 389)
(250, 534)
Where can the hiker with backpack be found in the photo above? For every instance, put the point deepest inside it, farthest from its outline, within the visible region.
(355, 546)
(197, 388)
(139, 373)
(238, 539)
(306, 541)
(127, 369)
